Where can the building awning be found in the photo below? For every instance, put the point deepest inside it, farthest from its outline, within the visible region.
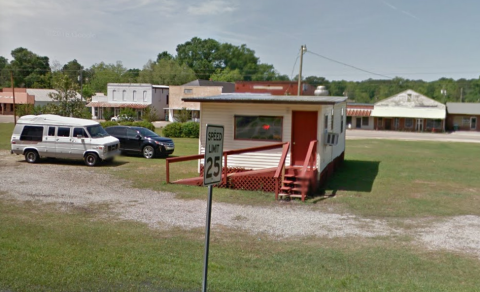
(414, 113)
(359, 112)
(119, 105)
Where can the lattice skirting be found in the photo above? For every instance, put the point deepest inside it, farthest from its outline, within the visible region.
(256, 182)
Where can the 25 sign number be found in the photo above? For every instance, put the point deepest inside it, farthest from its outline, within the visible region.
(213, 163)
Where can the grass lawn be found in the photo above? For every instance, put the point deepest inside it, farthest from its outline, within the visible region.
(43, 249)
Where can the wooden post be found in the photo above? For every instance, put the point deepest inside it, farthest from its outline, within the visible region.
(167, 170)
(13, 93)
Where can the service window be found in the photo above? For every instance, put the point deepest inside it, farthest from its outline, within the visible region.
(63, 132)
(79, 132)
(264, 128)
(32, 133)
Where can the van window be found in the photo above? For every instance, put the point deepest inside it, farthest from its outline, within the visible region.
(63, 132)
(79, 131)
(132, 134)
(51, 131)
(32, 133)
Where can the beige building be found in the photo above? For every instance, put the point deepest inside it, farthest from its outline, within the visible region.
(177, 93)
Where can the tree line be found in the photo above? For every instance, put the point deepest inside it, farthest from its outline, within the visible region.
(211, 60)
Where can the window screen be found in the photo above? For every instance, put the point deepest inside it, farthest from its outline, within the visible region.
(258, 128)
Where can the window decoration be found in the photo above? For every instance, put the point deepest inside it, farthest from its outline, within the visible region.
(266, 128)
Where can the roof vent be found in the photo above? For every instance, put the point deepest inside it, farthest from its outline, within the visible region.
(321, 91)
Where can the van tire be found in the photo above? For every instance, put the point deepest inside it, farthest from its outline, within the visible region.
(91, 159)
(148, 151)
(31, 156)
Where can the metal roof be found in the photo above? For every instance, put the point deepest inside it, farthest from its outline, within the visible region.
(55, 120)
(463, 108)
(267, 98)
(414, 113)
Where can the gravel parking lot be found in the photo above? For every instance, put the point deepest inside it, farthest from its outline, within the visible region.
(77, 185)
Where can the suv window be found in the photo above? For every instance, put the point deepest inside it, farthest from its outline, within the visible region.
(63, 132)
(79, 131)
(51, 131)
(32, 133)
(131, 134)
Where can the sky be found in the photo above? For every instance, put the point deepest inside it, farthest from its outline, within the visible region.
(345, 39)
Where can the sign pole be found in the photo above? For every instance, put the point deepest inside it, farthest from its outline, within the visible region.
(207, 237)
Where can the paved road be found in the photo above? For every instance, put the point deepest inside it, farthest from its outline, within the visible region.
(460, 136)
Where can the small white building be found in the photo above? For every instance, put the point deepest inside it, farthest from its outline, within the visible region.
(252, 120)
(131, 95)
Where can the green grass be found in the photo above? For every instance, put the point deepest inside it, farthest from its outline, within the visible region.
(407, 179)
(42, 249)
(6, 130)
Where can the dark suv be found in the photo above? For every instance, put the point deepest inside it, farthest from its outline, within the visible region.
(141, 140)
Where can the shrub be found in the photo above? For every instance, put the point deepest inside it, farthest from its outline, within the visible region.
(107, 114)
(190, 130)
(173, 130)
(144, 124)
(107, 124)
(150, 114)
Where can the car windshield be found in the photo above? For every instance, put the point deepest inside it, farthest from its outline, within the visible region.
(97, 131)
(147, 133)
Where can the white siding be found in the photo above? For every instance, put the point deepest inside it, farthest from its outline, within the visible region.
(223, 114)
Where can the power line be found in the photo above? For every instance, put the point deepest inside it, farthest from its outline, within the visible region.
(345, 64)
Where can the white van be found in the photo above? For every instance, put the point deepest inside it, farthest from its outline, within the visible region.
(62, 137)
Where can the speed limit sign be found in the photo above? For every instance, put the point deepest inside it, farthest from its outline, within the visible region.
(212, 172)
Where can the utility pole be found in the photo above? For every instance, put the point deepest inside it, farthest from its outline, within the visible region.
(80, 78)
(302, 50)
(13, 93)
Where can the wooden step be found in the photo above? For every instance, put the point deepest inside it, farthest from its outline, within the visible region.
(287, 182)
(281, 195)
(289, 175)
(285, 188)
(300, 189)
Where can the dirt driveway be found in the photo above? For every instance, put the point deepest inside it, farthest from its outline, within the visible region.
(61, 184)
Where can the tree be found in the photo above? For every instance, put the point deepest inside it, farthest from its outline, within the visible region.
(200, 55)
(164, 56)
(107, 73)
(166, 72)
(316, 81)
(69, 104)
(30, 69)
(4, 73)
(72, 70)
(226, 75)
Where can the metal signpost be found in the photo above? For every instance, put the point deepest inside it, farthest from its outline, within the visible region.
(212, 174)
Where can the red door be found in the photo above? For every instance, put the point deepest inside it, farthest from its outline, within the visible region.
(304, 130)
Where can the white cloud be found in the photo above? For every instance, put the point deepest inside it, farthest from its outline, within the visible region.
(212, 7)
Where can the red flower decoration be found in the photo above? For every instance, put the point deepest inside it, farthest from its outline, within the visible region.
(266, 127)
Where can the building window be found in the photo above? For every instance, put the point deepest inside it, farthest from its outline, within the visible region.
(167, 98)
(113, 95)
(124, 95)
(188, 91)
(437, 124)
(341, 122)
(145, 96)
(397, 123)
(465, 121)
(365, 121)
(264, 128)
(332, 120)
(325, 122)
(134, 95)
(408, 123)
